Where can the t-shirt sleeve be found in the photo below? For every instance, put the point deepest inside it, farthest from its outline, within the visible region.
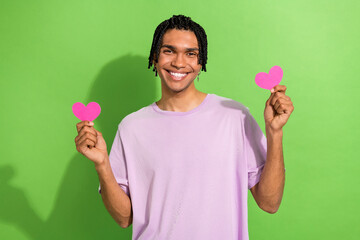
(118, 162)
(255, 149)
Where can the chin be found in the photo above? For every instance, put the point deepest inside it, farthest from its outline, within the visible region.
(181, 88)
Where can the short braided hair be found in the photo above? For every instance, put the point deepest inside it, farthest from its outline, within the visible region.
(182, 23)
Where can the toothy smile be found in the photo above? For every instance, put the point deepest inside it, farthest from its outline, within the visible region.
(177, 76)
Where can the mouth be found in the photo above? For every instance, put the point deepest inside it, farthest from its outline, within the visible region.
(177, 76)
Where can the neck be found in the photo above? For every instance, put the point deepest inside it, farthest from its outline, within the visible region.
(181, 101)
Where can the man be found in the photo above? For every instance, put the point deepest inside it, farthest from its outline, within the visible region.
(181, 167)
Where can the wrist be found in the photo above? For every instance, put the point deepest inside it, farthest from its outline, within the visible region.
(275, 133)
(101, 166)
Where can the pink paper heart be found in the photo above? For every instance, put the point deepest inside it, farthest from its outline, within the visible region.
(88, 113)
(268, 81)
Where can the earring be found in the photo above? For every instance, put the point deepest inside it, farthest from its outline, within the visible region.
(198, 76)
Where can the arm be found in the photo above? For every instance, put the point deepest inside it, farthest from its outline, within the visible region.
(268, 191)
(115, 199)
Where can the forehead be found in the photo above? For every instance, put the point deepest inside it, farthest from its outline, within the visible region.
(180, 38)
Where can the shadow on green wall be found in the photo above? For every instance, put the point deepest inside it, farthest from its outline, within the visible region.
(123, 86)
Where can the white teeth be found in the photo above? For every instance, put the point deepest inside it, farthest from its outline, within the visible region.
(178, 74)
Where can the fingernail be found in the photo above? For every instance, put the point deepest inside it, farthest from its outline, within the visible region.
(91, 123)
(272, 90)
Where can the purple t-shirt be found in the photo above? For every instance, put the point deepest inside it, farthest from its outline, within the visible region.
(188, 173)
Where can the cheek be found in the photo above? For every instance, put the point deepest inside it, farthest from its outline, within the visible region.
(195, 63)
(197, 68)
(163, 61)
(164, 57)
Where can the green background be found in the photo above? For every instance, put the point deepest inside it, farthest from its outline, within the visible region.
(56, 53)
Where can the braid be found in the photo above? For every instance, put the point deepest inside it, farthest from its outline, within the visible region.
(179, 22)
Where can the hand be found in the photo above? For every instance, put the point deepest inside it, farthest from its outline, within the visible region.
(90, 142)
(277, 109)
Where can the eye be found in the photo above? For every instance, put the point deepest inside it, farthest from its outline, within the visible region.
(167, 50)
(192, 54)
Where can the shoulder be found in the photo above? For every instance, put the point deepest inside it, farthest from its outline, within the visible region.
(231, 105)
(135, 118)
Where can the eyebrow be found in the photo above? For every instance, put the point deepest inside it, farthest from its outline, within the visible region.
(172, 47)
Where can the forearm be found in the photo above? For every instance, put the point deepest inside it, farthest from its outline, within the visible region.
(115, 199)
(272, 180)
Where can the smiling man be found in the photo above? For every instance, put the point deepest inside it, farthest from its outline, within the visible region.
(181, 167)
(177, 66)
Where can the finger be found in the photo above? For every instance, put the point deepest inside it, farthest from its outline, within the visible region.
(87, 136)
(83, 134)
(269, 100)
(277, 95)
(278, 105)
(81, 124)
(278, 88)
(88, 129)
(84, 124)
(284, 108)
(87, 143)
(98, 133)
(288, 108)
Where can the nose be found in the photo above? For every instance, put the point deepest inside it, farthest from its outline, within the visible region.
(179, 61)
